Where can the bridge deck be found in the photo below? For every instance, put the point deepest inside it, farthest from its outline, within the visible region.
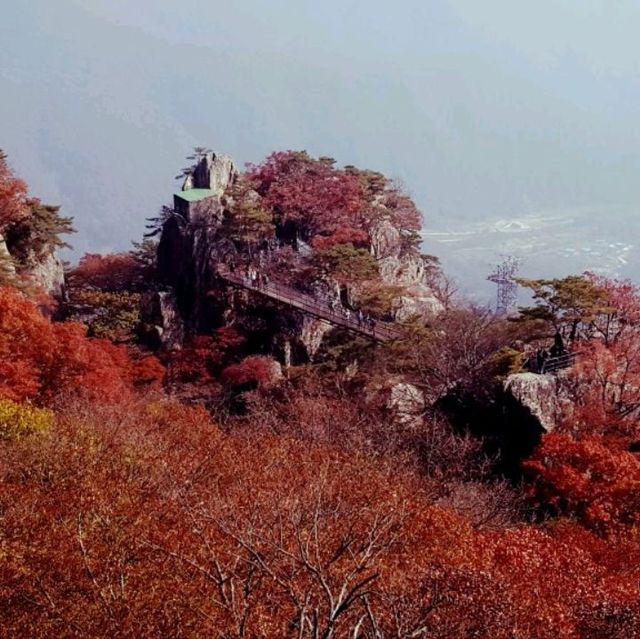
(377, 330)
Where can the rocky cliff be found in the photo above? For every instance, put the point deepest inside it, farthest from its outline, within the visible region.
(41, 269)
(405, 269)
(542, 395)
(193, 244)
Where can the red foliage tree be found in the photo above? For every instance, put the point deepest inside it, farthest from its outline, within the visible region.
(605, 388)
(255, 369)
(404, 213)
(40, 359)
(148, 371)
(587, 479)
(113, 272)
(604, 383)
(619, 314)
(346, 235)
(13, 194)
(203, 357)
(312, 194)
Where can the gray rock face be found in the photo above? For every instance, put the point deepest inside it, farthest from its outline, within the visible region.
(385, 241)
(188, 183)
(405, 269)
(44, 271)
(48, 274)
(206, 212)
(541, 394)
(215, 172)
(6, 261)
(160, 309)
(312, 333)
(407, 403)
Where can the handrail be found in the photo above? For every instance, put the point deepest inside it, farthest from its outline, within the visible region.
(560, 362)
(554, 364)
(376, 329)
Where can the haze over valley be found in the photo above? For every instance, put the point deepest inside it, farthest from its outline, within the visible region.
(513, 126)
(547, 244)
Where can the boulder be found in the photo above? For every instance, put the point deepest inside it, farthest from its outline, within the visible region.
(541, 395)
(407, 403)
(7, 267)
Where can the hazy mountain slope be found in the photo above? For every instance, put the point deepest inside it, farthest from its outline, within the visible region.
(101, 102)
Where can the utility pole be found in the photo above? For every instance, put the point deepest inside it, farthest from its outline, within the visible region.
(504, 277)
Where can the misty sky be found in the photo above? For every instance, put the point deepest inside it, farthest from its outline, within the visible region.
(483, 108)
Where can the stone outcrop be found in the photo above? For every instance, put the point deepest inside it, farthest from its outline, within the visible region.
(215, 172)
(312, 333)
(406, 403)
(47, 273)
(7, 267)
(541, 395)
(43, 270)
(164, 322)
(188, 247)
(406, 269)
(191, 247)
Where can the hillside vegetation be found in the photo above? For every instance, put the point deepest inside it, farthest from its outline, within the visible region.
(182, 457)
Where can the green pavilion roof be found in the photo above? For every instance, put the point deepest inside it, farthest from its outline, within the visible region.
(194, 195)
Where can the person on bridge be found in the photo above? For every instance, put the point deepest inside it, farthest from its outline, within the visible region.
(541, 360)
(558, 349)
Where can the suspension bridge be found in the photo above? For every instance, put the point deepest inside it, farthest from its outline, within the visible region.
(310, 305)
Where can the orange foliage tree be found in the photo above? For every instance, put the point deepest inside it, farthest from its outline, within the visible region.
(114, 272)
(146, 520)
(40, 359)
(104, 291)
(586, 478)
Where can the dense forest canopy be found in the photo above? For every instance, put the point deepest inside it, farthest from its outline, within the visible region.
(209, 486)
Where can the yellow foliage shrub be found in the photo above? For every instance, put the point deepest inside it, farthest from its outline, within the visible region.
(18, 419)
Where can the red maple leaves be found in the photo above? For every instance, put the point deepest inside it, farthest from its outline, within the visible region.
(40, 360)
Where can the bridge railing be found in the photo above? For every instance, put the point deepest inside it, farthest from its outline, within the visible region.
(552, 364)
(378, 330)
